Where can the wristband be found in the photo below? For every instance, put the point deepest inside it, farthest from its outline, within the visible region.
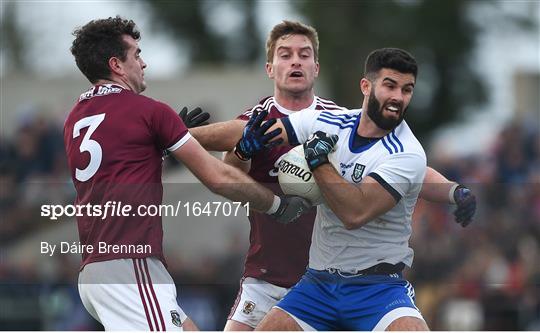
(275, 205)
(240, 157)
(451, 193)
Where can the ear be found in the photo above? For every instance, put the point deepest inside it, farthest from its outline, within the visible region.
(115, 65)
(365, 86)
(317, 68)
(269, 70)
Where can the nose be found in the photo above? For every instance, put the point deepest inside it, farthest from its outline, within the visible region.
(397, 96)
(296, 61)
(143, 64)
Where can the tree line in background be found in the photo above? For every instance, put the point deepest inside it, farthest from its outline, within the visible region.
(441, 34)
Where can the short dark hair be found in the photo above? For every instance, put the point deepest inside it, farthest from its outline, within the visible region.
(287, 28)
(98, 41)
(392, 58)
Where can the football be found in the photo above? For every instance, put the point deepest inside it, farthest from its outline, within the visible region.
(295, 178)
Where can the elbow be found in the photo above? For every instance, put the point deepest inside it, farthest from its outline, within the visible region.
(353, 221)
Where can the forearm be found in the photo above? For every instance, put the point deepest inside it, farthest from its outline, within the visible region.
(343, 198)
(221, 136)
(223, 179)
(231, 159)
(237, 186)
(436, 187)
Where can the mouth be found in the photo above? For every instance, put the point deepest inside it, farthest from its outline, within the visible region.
(393, 108)
(296, 74)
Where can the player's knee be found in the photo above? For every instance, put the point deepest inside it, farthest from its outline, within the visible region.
(278, 320)
(189, 325)
(235, 326)
(408, 324)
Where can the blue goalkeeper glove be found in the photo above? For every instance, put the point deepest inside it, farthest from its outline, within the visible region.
(254, 137)
(466, 205)
(317, 148)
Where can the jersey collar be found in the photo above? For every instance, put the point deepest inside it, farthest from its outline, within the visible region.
(289, 112)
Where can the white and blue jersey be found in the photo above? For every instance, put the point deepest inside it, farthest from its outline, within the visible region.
(398, 162)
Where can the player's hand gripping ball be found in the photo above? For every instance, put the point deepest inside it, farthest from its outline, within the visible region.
(317, 148)
(295, 177)
(291, 208)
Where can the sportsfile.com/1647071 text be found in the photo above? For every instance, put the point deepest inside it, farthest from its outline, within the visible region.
(118, 209)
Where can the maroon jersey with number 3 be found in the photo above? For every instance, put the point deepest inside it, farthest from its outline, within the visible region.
(114, 141)
(278, 253)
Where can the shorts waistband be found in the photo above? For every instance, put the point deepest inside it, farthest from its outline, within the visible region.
(379, 269)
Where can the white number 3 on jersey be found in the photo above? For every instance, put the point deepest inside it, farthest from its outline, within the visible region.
(89, 145)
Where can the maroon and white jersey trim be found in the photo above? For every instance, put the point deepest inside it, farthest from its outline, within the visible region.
(318, 103)
(148, 296)
(180, 142)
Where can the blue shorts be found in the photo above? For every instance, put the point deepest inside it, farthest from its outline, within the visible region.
(331, 301)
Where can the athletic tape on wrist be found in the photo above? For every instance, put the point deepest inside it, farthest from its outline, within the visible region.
(451, 193)
(275, 205)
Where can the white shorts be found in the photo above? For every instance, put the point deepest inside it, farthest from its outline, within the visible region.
(131, 294)
(255, 298)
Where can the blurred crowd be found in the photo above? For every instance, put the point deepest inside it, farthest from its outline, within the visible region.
(30, 159)
(484, 277)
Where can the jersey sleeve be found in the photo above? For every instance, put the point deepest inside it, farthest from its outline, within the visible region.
(401, 173)
(300, 125)
(170, 131)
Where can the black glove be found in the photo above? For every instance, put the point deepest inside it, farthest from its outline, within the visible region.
(194, 118)
(291, 208)
(254, 137)
(466, 205)
(317, 148)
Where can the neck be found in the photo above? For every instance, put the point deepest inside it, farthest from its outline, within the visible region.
(114, 81)
(367, 128)
(294, 102)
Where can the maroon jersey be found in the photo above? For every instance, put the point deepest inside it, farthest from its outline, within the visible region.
(278, 253)
(114, 141)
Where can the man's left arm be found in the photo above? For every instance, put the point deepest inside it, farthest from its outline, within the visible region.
(437, 188)
(355, 205)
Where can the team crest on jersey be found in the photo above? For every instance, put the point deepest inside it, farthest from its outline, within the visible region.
(248, 308)
(358, 172)
(175, 318)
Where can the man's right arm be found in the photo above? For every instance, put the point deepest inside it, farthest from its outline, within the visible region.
(221, 136)
(231, 183)
(221, 178)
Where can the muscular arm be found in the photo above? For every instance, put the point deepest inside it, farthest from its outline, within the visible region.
(221, 178)
(436, 187)
(354, 205)
(221, 136)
